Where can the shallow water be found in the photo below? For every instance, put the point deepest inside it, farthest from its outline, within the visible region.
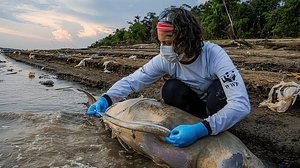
(44, 127)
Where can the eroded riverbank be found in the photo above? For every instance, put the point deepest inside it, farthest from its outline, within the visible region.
(271, 136)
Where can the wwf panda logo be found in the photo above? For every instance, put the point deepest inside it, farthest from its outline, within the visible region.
(228, 77)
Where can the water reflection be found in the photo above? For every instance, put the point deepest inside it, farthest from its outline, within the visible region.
(21, 93)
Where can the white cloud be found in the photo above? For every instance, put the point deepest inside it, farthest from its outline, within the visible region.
(21, 34)
(55, 20)
(90, 30)
(67, 23)
(61, 35)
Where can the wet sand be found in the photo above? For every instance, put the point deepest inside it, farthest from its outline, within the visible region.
(271, 136)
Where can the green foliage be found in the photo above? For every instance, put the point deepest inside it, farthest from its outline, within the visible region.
(284, 21)
(139, 31)
(251, 19)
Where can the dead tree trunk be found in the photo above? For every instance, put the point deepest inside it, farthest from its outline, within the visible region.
(234, 34)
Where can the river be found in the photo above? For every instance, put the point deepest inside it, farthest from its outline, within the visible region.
(41, 126)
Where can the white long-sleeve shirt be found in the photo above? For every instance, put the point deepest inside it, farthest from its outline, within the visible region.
(214, 63)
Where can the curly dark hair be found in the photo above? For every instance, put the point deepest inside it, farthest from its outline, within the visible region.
(187, 32)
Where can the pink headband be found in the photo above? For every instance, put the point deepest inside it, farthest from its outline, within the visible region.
(162, 26)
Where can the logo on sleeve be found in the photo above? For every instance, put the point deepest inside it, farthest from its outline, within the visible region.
(229, 79)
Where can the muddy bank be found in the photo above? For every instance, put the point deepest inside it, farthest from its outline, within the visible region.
(271, 136)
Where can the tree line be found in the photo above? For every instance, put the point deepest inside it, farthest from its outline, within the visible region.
(222, 19)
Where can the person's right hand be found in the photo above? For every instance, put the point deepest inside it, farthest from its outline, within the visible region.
(99, 106)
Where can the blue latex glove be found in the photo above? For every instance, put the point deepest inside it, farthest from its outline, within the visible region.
(185, 135)
(99, 106)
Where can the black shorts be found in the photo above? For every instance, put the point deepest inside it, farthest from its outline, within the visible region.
(178, 94)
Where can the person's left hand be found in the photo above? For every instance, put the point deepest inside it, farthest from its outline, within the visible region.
(185, 135)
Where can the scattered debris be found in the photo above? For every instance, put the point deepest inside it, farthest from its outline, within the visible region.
(31, 56)
(282, 96)
(82, 63)
(48, 83)
(294, 75)
(47, 76)
(11, 73)
(94, 55)
(133, 57)
(31, 74)
(62, 56)
(17, 52)
(242, 42)
(105, 66)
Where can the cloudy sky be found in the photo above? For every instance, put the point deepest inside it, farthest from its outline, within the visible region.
(48, 24)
